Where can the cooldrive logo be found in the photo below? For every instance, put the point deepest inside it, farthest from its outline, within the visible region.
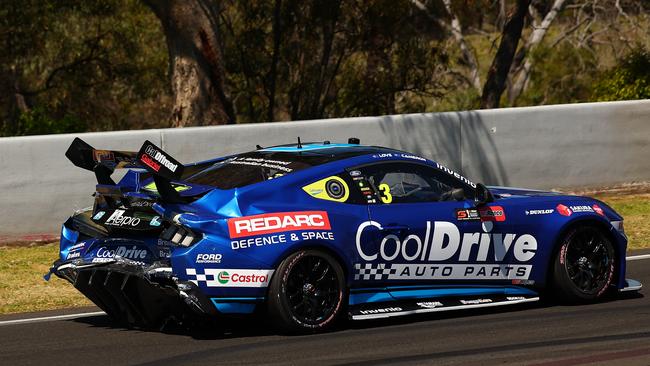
(278, 222)
(442, 241)
(159, 157)
(122, 251)
(213, 277)
(119, 219)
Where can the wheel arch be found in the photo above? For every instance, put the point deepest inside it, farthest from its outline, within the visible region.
(597, 222)
(324, 246)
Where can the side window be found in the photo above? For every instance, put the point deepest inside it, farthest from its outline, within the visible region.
(411, 183)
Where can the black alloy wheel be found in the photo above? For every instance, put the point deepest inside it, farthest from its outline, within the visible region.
(584, 267)
(307, 291)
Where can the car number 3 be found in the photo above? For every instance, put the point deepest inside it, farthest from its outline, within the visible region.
(384, 193)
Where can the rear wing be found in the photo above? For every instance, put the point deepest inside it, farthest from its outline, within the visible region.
(163, 167)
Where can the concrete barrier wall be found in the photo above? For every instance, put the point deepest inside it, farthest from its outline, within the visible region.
(538, 147)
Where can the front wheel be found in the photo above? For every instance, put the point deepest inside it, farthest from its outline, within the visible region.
(584, 267)
(307, 291)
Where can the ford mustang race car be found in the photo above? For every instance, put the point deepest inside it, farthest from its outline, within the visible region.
(315, 232)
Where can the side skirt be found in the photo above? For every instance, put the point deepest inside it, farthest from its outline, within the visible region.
(416, 306)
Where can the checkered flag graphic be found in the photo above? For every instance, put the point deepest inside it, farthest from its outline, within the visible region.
(369, 271)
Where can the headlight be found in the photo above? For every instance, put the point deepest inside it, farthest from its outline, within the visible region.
(618, 225)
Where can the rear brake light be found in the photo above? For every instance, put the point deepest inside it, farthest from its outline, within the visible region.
(179, 235)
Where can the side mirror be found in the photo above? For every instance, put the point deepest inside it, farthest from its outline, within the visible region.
(483, 195)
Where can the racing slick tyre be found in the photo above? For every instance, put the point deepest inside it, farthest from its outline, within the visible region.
(584, 266)
(307, 292)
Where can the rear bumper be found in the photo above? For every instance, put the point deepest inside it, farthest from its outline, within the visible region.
(140, 296)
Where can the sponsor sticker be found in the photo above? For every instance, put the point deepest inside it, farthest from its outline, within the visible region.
(539, 212)
(103, 156)
(475, 301)
(133, 252)
(214, 277)
(598, 210)
(278, 222)
(383, 271)
(430, 304)
(467, 214)
(208, 258)
(155, 221)
(159, 157)
(381, 310)
(118, 218)
(492, 213)
(563, 210)
(455, 175)
(581, 208)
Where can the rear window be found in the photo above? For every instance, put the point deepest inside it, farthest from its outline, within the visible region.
(253, 167)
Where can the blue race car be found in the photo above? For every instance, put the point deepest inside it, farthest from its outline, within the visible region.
(311, 233)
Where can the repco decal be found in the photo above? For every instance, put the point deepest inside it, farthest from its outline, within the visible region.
(493, 213)
(278, 222)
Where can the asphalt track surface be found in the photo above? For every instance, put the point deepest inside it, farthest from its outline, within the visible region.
(613, 332)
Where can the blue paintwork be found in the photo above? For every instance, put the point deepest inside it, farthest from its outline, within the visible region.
(208, 217)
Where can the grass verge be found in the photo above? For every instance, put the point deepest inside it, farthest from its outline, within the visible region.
(23, 289)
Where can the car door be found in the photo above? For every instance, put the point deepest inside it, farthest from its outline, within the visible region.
(425, 228)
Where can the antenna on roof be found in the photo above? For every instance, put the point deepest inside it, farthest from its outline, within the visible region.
(354, 141)
(299, 144)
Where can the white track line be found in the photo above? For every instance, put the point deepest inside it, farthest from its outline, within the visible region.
(638, 257)
(84, 315)
(50, 318)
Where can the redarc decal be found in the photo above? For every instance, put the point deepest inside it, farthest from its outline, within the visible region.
(278, 222)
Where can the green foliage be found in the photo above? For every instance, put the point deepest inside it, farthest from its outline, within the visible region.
(38, 122)
(628, 80)
(562, 74)
(100, 62)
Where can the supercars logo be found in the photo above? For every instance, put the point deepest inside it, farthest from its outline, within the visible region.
(278, 222)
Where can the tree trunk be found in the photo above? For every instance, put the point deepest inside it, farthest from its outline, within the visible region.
(536, 38)
(498, 73)
(195, 61)
(468, 54)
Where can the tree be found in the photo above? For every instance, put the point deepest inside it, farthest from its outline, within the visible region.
(191, 29)
(498, 73)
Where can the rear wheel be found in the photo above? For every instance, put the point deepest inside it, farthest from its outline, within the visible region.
(307, 291)
(584, 267)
